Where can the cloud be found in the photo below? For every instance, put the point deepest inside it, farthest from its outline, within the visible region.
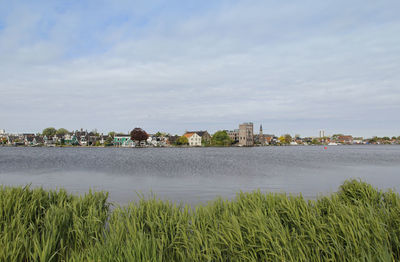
(172, 67)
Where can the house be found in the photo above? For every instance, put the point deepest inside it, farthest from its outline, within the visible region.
(82, 137)
(205, 136)
(103, 139)
(12, 139)
(123, 140)
(38, 140)
(48, 141)
(28, 139)
(68, 138)
(345, 139)
(172, 139)
(193, 138)
(155, 140)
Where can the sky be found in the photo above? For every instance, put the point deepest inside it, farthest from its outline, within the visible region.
(293, 66)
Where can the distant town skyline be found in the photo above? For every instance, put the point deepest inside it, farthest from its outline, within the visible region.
(295, 67)
(256, 130)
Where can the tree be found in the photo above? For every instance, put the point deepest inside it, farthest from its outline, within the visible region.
(315, 141)
(374, 139)
(281, 140)
(160, 134)
(288, 139)
(62, 131)
(335, 136)
(182, 140)
(111, 134)
(50, 131)
(138, 134)
(109, 141)
(221, 138)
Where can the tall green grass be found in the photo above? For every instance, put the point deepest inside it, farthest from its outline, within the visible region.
(358, 223)
(40, 225)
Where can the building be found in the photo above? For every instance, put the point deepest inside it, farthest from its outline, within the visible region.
(193, 138)
(261, 138)
(205, 136)
(321, 133)
(345, 139)
(270, 139)
(234, 135)
(246, 136)
(172, 139)
(123, 140)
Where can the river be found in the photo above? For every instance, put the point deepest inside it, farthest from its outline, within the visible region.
(193, 175)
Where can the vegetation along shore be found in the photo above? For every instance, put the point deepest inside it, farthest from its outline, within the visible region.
(358, 223)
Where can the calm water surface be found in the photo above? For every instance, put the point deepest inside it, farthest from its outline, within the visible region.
(193, 175)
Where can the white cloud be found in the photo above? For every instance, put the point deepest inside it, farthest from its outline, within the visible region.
(258, 62)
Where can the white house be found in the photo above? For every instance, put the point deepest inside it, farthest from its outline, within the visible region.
(193, 138)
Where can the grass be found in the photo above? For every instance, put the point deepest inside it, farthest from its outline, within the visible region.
(358, 223)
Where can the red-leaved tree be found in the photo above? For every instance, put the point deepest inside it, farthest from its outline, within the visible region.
(138, 134)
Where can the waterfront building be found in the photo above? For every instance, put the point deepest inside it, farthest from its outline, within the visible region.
(321, 133)
(358, 140)
(270, 139)
(234, 135)
(345, 139)
(261, 138)
(205, 136)
(123, 140)
(172, 139)
(246, 135)
(193, 138)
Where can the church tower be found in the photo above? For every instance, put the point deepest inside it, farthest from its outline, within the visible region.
(261, 136)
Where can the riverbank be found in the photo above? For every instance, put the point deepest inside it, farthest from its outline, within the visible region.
(357, 223)
(186, 146)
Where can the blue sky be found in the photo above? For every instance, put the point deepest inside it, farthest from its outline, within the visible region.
(293, 66)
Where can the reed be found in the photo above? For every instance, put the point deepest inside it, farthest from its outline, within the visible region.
(358, 223)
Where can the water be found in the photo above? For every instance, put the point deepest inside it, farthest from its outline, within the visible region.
(193, 175)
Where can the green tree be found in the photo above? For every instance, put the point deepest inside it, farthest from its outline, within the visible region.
(50, 131)
(182, 141)
(160, 134)
(335, 136)
(109, 141)
(374, 139)
(315, 141)
(97, 143)
(221, 138)
(288, 139)
(111, 134)
(62, 131)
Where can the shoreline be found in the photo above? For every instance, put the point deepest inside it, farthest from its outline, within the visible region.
(323, 145)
